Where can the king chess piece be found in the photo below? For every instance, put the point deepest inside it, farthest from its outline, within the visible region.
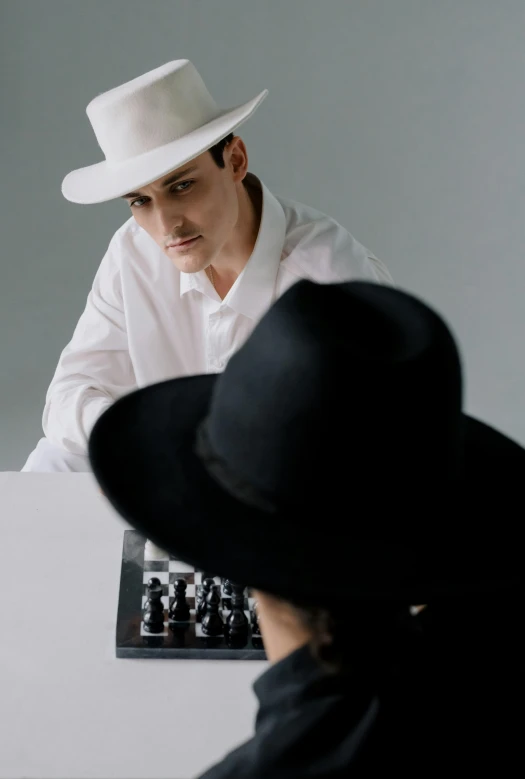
(154, 609)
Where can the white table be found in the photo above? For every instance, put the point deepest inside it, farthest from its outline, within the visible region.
(68, 707)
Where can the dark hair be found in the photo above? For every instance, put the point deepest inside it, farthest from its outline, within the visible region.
(392, 636)
(357, 633)
(217, 151)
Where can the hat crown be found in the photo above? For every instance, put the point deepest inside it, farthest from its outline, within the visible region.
(149, 111)
(336, 384)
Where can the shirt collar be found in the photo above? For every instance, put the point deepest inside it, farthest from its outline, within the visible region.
(298, 679)
(288, 679)
(254, 289)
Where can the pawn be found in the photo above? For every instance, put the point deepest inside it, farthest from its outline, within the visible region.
(207, 585)
(179, 609)
(154, 608)
(212, 624)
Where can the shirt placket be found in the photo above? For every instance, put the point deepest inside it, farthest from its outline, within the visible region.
(215, 347)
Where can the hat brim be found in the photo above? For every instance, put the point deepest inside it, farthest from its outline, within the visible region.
(142, 454)
(102, 182)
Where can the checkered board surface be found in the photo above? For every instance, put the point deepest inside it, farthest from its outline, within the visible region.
(177, 640)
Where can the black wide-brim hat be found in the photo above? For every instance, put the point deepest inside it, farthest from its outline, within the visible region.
(330, 460)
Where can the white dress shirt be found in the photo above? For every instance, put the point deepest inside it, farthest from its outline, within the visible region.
(145, 321)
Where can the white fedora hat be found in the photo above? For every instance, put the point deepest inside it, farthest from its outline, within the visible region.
(150, 126)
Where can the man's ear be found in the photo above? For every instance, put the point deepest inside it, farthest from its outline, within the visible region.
(238, 158)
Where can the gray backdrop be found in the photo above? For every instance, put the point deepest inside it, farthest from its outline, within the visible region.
(403, 119)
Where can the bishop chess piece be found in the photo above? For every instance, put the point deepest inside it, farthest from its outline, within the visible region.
(154, 608)
(212, 624)
(179, 609)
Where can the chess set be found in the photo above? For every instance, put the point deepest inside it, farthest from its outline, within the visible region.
(168, 609)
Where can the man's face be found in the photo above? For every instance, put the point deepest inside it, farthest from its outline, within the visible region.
(197, 203)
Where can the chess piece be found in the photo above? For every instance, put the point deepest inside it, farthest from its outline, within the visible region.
(238, 595)
(237, 622)
(236, 640)
(212, 624)
(179, 609)
(207, 585)
(154, 608)
(227, 587)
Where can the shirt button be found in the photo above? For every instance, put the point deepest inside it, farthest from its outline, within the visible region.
(221, 364)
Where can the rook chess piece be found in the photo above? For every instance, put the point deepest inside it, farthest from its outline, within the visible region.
(154, 609)
(179, 609)
(212, 624)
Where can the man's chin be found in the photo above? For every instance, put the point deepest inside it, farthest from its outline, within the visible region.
(190, 263)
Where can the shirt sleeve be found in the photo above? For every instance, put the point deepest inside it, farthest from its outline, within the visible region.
(95, 367)
(379, 270)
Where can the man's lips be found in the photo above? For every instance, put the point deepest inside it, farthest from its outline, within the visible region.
(182, 244)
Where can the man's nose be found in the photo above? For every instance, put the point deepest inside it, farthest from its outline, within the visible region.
(169, 219)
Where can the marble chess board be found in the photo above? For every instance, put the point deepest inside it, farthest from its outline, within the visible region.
(142, 562)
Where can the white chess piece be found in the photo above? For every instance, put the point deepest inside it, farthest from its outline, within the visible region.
(153, 552)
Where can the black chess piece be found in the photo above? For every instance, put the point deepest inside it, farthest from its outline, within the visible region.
(237, 640)
(179, 609)
(207, 585)
(154, 608)
(227, 587)
(238, 595)
(237, 621)
(212, 624)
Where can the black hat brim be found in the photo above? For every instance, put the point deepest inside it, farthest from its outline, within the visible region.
(142, 452)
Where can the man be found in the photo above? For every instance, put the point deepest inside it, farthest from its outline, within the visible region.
(334, 457)
(205, 252)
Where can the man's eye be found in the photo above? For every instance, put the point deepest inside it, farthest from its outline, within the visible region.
(184, 184)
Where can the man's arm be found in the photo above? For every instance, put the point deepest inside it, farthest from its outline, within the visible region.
(380, 271)
(95, 368)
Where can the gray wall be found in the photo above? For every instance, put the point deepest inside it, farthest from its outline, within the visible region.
(403, 119)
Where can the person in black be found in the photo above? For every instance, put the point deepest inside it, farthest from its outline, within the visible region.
(373, 518)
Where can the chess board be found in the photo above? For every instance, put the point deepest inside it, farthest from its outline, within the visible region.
(176, 640)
